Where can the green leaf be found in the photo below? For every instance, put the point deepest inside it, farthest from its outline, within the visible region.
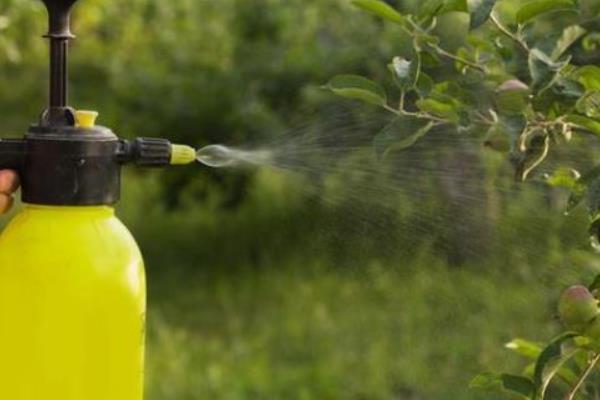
(533, 350)
(538, 7)
(544, 71)
(430, 9)
(593, 197)
(589, 104)
(357, 87)
(380, 9)
(569, 36)
(515, 384)
(588, 76)
(569, 88)
(565, 373)
(425, 42)
(550, 361)
(591, 42)
(406, 73)
(433, 8)
(584, 123)
(563, 177)
(514, 125)
(579, 190)
(594, 232)
(444, 109)
(424, 84)
(576, 197)
(595, 285)
(480, 11)
(400, 134)
(524, 348)
(455, 6)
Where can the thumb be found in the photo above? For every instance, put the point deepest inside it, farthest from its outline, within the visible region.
(6, 202)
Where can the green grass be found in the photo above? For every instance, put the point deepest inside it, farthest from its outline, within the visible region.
(301, 331)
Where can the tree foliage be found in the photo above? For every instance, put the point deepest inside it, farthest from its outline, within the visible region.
(520, 90)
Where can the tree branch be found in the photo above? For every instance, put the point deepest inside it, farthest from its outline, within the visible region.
(421, 115)
(510, 34)
(461, 60)
(580, 382)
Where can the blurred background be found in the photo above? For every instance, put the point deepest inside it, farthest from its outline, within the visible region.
(311, 283)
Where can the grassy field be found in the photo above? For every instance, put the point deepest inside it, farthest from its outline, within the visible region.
(306, 331)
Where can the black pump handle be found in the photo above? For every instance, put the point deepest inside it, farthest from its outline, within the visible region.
(59, 12)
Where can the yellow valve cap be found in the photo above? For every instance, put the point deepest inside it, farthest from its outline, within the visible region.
(86, 118)
(181, 154)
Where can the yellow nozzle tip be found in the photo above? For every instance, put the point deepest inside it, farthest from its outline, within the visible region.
(86, 118)
(181, 154)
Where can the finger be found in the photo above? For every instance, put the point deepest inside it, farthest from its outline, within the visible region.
(6, 203)
(9, 181)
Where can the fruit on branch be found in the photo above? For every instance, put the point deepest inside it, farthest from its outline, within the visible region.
(512, 97)
(497, 139)
(577, 307)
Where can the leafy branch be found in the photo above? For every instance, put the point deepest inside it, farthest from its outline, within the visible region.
(525, 113)
(522, 112)
(459, 59)
(569, 359)
(508, 33)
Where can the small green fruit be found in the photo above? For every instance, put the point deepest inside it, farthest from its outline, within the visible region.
(512, 97)
(577, 307)
(497, 139)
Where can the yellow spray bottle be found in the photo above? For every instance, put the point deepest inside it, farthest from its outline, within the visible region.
(72, 284)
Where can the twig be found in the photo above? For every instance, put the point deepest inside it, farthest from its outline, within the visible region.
(402, 97)
(586, 373)
(484, 119)
(420, 115)
(508, 33)
(459, 59)
(537, 162)
(392, 109)
(423, 115)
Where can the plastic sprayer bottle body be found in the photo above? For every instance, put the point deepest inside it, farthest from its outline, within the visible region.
(72, 307)
(72, 283)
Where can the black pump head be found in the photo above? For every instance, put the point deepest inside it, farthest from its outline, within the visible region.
(65, 162)
(59, 33)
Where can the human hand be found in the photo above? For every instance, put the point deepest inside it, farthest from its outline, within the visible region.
(9, 182)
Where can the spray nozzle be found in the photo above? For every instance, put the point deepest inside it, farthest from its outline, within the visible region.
(182, 154)
(155, 152)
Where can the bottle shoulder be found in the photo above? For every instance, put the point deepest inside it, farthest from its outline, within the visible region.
(69, 225)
